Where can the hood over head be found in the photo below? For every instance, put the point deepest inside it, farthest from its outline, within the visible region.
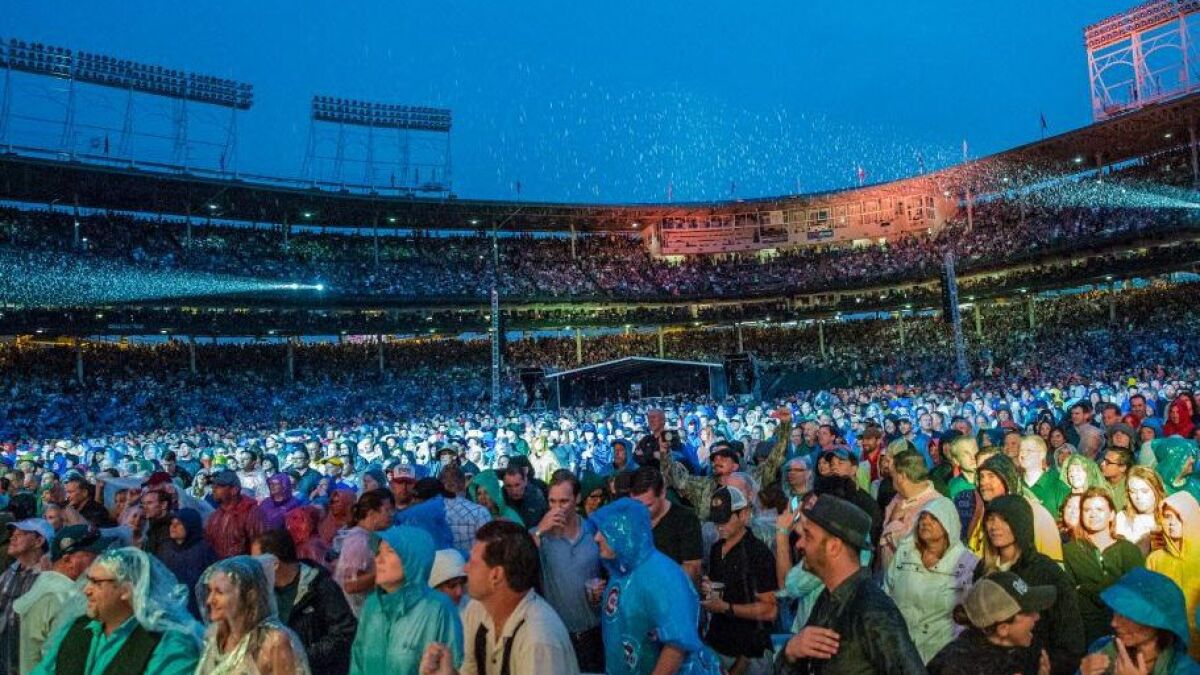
(625, 524)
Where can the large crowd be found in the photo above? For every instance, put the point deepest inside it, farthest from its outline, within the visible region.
(1001, 527)
(1032, 227)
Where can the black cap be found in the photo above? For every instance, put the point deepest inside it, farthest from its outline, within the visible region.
(841, 519)
(725, 449)
(724, 503)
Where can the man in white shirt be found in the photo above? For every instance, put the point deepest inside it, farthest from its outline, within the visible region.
(508, 629)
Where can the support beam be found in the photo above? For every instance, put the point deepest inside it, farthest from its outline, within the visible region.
(821, 337)
(375, 240)
(978, 321)
(662, 351)
(579, 346)
(574, 235)
(286, 230)
(291, 359)
(741, 343)
(1032, 318)
(1099, 166)
(79, 361)
(1195, 154)
(192, 354)
(1112, 302)
(187, 220)
(970, 210)
(75, 219)
(900, 324)
(379, 351)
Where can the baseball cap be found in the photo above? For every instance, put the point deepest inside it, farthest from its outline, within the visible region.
(840, 451)
(1001, 596)
(725, 449)
(841, 519)
(75, 538)
(38, 525)
(725, 502)
(227, 478)
(448, 564)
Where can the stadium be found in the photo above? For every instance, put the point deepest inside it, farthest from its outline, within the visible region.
(328, 366)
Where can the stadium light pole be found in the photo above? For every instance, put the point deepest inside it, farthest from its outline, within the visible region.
(960, 347)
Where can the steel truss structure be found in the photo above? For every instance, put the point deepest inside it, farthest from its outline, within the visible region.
(415, 140)
(132, 77)
(1143, 56)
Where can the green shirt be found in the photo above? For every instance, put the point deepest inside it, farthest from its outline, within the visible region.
(1091, 571)
(176, 654)
(1051, 491)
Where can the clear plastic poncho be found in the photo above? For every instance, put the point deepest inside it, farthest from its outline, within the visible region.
(159, 600)
(265, 639)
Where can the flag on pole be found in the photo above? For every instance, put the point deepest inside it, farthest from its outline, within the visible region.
(920, 162)
(670, 190)
(862, 174)
(732, 188)
(1044, 126)
(966, 151)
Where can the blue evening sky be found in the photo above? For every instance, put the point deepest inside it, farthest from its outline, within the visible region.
(612, 101)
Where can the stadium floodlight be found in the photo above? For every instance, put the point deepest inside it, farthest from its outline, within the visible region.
(108, 71)
(380, 115)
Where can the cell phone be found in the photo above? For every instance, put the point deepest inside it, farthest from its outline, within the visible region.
(794, 504)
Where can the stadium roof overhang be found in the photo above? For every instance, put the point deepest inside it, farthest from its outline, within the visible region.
(630, 364)
(48, 179)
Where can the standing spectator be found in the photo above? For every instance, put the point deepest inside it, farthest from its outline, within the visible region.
(1003, 612)
(301, 524)
(1114, 467)
(244, 634)
(340, 515)
(1037, 476)
(237, 520)
(676, 527)
(462, 515)
(252, 480)
(910, 475)
(507, 626)
(187, 553)
(280, 500)
(1179, 521)
(523, 498)
(1008, 546)
(53, 600)
(1088, 439)
(403, 614)
(930, 575)
(854, 626)
(156, 505)
(27, 544)
(81, 497)
(1149, 629)
(355, 569)
(132, 600)
(310, 603)
(741, 615)
(650, 610)
(1096, 558)
(303, 475)
(1139, 521)
(570, 560)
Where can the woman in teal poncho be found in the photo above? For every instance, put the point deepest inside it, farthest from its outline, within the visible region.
(402, 614)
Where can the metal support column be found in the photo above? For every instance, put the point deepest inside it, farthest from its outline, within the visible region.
(375, 242)
(741, 343)
(960, 345)
(821, 337)
(68, 135)
(6, 104)
(662, 351)
(379, 351)
(75, 220)
(970, 209)
(192, 354)
(579, 346)
(496, 337)
(286, 230)
(1195, 154)
(978, 321)
(187, 219)
(79, 361)
(573, 237)
(900, 324)
(1032, 318)
(291, 360)
(1112, 302)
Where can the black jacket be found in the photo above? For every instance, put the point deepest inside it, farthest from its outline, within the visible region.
(874, 637)
(323, 621)
(972, 654)
(1059, 630)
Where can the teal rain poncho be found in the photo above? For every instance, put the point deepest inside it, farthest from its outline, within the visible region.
(394, 628)
(1151, 599)
(1175, 461)
(649, 601)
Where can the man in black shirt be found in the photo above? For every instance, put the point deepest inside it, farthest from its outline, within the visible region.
(676, 527)
(743, 612)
